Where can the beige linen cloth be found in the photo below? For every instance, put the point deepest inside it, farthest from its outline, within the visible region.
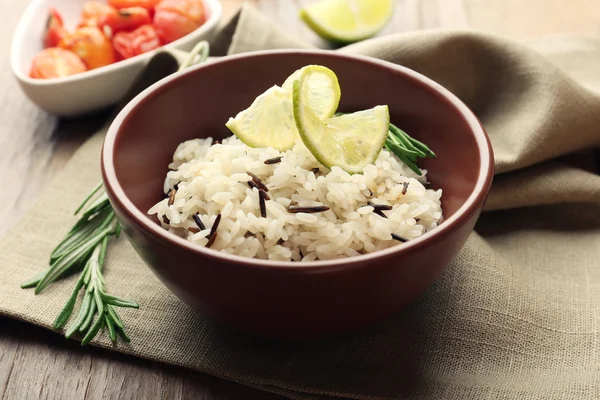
(516, 315)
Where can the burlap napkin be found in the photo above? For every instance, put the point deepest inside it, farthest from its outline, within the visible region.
(517, 315)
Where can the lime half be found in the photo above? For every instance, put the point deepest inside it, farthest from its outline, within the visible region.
(349, 141)
(269, 121)
(347, 21)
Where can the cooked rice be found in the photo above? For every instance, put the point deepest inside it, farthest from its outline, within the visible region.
(212, 179)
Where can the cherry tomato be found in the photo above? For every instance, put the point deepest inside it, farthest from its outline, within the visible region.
(55, 62)
(132, 18)
(174, 19)
(147, 4)
(55, 29)
(91, 45)
(97, 14)
(130, 44)
(101, 15)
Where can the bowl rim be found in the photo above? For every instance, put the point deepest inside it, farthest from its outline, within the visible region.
(215, 12)
(141, 220)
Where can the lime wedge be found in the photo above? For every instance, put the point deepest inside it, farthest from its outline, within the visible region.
(269, 121)
(347, 21)
(350, 141)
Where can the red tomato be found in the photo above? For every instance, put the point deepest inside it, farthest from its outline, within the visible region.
(130, 44)
(55, 63)
(174, 19)
(91, 45)
(97, 14)
(133, 18)
(147, 4)
(101, 15)
(55, 29)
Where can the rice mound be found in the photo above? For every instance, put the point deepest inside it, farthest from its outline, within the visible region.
(212, 179)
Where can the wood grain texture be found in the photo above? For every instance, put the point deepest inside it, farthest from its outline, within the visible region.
(523, 19)
(38, 364)
(26, 133)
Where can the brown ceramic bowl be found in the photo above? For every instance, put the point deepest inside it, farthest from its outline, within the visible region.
(285, 299)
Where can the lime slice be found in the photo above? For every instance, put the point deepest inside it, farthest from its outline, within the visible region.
(325, 91)
(350, 141)
(347, 21)
(269, 121)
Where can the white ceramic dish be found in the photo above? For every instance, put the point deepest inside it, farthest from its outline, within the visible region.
(91, 90)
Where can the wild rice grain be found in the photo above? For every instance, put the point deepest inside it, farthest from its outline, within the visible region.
(253, 185)
(405, 187)
(399, 238)
(273, 160)
(172, 197)
(212, 239)
(194, 230)
(263, 206)
(198, 221)
(380, 213)
(248, 234)
(380, 207)
(258, 182)
(213, 230)
(308, 210)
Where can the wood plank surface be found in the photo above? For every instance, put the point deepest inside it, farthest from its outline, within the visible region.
(38, 364)
(524, 19)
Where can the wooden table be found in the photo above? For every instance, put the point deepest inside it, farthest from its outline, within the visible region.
(35, 363)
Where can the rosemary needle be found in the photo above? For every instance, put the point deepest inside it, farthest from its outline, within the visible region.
(111, 328)
(89, 196)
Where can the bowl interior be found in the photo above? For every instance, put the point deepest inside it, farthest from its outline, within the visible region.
(197, 105)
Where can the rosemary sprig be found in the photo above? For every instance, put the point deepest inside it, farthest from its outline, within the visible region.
(85, 247)
(407, 148)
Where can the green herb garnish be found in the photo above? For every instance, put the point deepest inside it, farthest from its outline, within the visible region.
(84, 247)
(406, 148)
